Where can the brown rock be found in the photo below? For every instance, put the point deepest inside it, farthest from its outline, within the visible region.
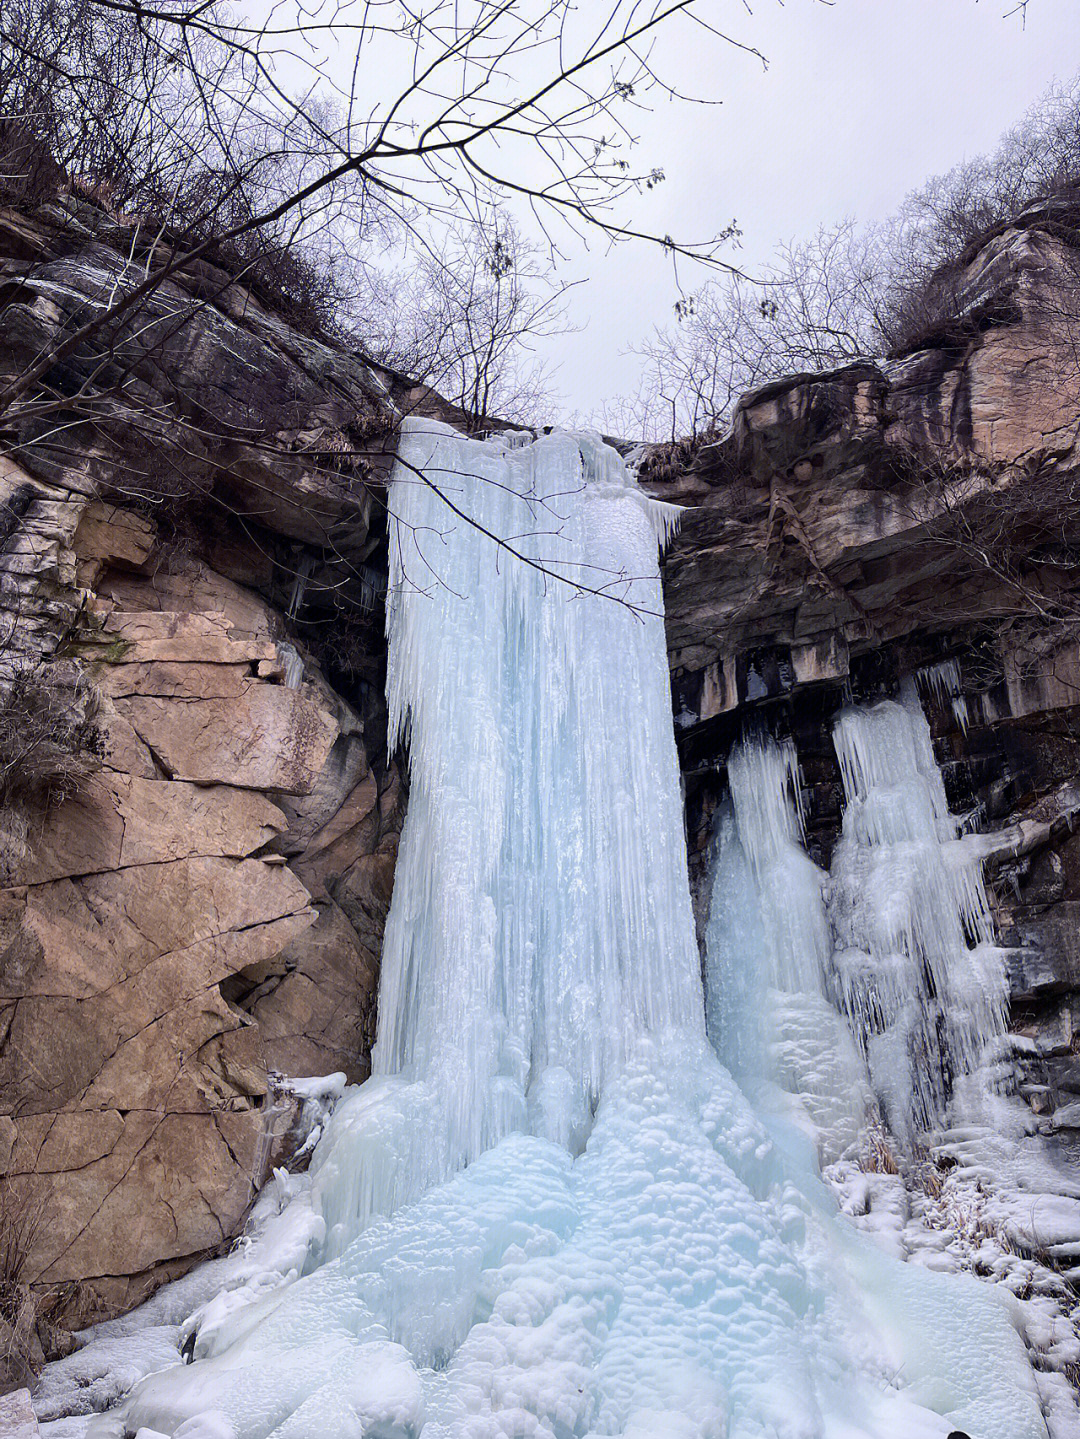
(122, 749)
(361, 805)
(192, 1173)
(132, 1077)
(107, 971)
(201, 638)
(315, 1002)
(175, 820)
(269, 738)
(165, 679)
(117, 820)
(79, 835)
(189, 586)
(106, 533)
(7, 1142)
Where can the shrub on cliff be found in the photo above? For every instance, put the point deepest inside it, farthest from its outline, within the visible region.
(169, 131)
(49, 745)
(304, 148)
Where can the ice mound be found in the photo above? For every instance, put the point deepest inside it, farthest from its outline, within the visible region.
(684, 1275)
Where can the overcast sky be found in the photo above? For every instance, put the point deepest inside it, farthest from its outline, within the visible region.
(861, 101)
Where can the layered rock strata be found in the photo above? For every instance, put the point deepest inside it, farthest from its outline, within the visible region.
(200, 905)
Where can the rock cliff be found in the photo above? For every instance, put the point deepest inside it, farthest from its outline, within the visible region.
(199, 903)
(895, 501)
(198, 576)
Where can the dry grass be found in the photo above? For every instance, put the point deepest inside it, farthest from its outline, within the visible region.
(49, 745)
(877, 1156)
(20, 1350)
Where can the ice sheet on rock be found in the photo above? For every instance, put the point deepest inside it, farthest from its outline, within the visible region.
(552, 1213)
(73, 1428)
(676, 1263)
(96, 1376)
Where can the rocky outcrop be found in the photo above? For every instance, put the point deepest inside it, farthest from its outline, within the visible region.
(846, 511)
(201, 904)
(181, 926)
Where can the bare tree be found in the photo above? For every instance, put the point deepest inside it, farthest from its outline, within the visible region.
(814, 308)
(498, 100)
(853, 292)
(463, 321)
(293, 153)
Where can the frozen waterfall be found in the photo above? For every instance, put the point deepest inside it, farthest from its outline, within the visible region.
(552, 1213)
(769, 956)
(903, 943)
(916, 965)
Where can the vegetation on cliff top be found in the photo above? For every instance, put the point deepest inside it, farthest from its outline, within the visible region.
(350, 163)
(854, 292)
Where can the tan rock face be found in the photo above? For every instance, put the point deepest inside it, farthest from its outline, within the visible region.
(314, 1003)
(157, 955)
(209, 905)
(267, 738)
(193, 1173)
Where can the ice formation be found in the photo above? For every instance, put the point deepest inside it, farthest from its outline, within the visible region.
(552, 1213)
(769, 955)
(980, 1192)
(944, 683)
(917, 968)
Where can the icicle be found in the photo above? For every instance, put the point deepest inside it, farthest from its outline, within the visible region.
(945, 683)
(300, 584)
(292, 663)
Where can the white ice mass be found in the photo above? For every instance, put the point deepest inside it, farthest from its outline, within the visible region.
(552, 1212)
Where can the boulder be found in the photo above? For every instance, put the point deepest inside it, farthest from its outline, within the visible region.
(17, 1419)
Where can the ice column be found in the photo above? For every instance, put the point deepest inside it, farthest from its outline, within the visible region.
(769, 951)
(541, 918)
(917, 970)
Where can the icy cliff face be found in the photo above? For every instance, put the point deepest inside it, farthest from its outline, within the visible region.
(528, 948)
(552, 1212)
